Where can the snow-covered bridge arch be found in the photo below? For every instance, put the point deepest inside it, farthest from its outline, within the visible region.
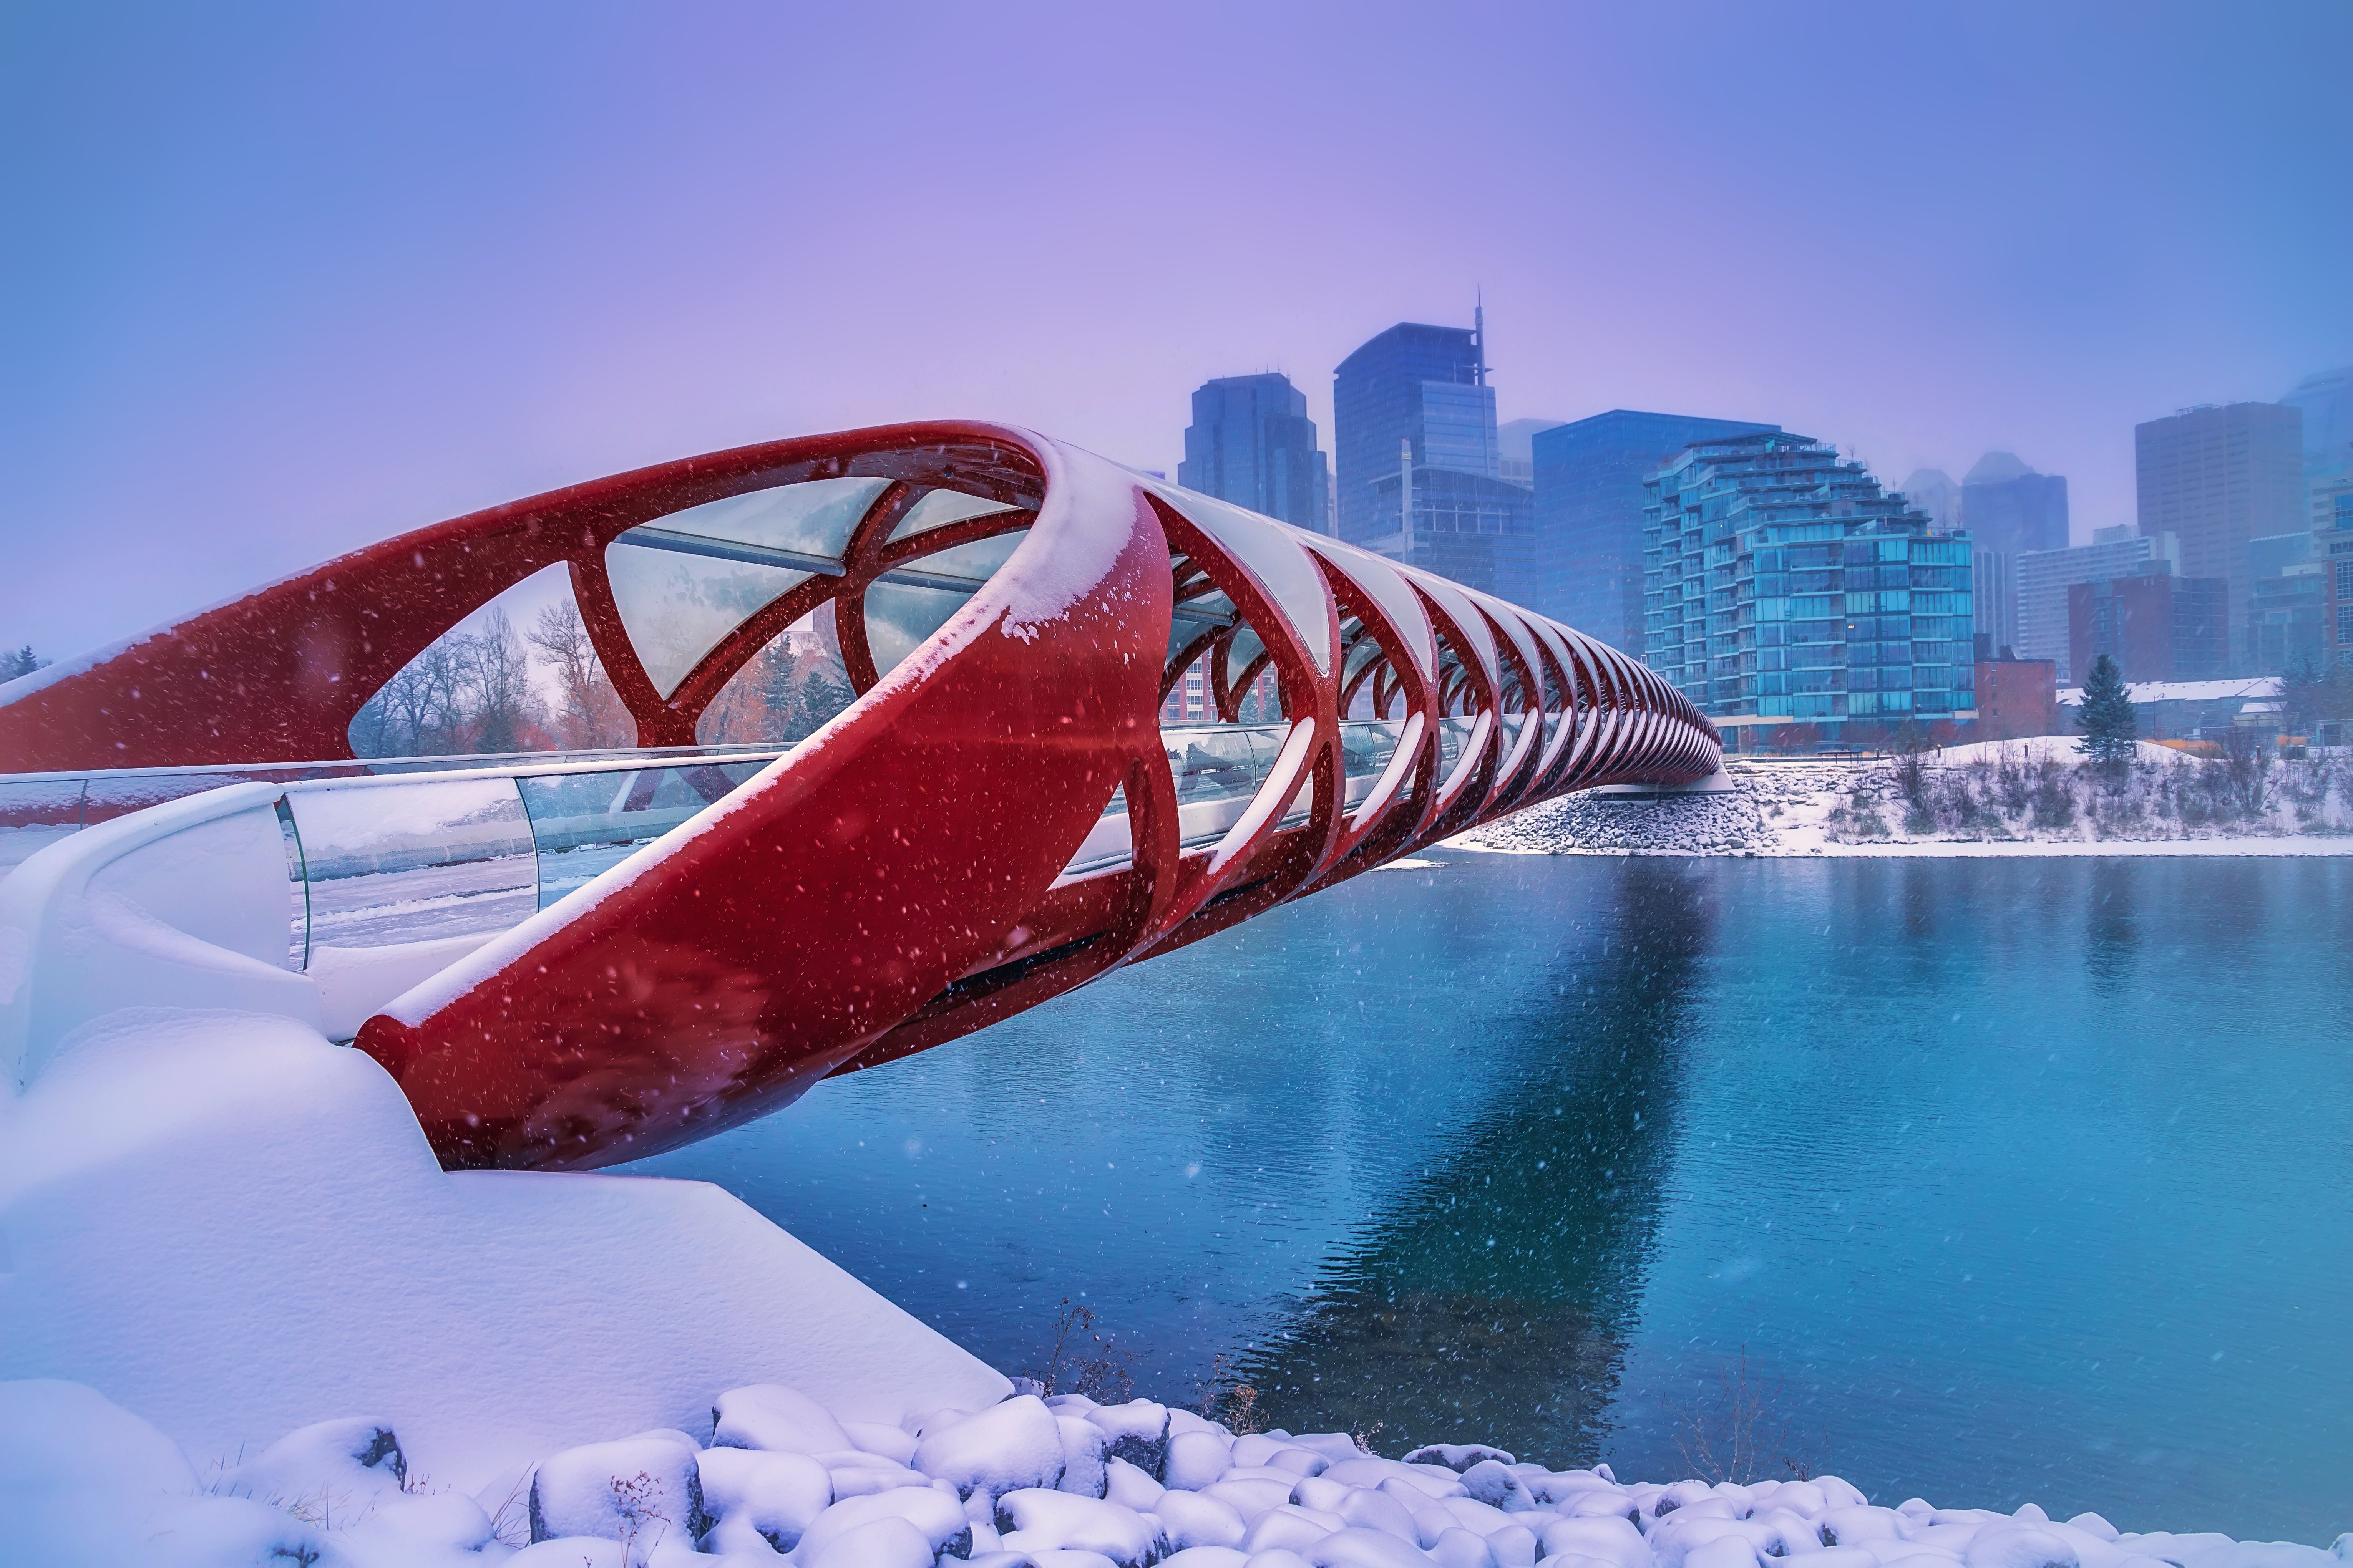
(693, 936)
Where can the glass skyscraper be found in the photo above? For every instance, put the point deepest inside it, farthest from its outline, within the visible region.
(1589, 514)
(1419, 467)
(1781, 582)
(1252, 443)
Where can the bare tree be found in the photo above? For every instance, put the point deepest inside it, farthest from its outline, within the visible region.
(496, 677)
(592, 715)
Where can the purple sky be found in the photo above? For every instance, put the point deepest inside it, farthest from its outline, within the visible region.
(281, 280)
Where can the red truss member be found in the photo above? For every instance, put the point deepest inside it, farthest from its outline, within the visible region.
(997, 818)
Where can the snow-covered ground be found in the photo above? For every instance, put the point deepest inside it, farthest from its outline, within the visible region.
(2025, 797)
(247, 1319)
(772, 1476)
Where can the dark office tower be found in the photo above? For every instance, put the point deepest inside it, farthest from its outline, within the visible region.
(1252, 443)
(2007, 509)
(2156, 625)
(2220, 477)
(1589, 514)
(1421, 463)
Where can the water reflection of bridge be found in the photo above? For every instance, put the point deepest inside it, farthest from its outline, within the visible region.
(1525, 1245)
(578, 959)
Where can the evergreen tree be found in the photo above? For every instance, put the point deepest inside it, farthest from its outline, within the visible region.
(2108, 720)
(21, 662)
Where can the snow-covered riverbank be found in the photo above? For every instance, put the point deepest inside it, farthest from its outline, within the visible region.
(2033, 797)
(1059, 1482)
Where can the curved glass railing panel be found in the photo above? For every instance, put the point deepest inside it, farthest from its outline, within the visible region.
(35, 814)
(1219, 769)
(1451, 734)
(397, 852)
(418, 860)
(585, 824)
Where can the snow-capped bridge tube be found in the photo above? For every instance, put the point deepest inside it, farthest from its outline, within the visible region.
(997, 818)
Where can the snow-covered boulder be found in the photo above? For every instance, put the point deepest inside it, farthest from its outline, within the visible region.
(891, 1443)
(751, 1492)
(1607, 1538)
(642, 1491)
(887, 1542)
(1291, 1526)
(1014, 1446)
(1356, 1547)
(1456, 1547)
(1034, 1520)
(1137, 1432)
(1193, 1520)
(1195, 1460)
(353, 1461)
(1207, 1557)
(1488, 1482)
(929, 1509)
(1082, 1456)
(1129, 1486)
(1458, 1456)
(2019, 1545)
(782, 1420)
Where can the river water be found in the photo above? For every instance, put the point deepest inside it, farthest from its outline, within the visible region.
(1985, 1180)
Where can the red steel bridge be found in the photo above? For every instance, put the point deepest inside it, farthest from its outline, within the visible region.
(573, 960)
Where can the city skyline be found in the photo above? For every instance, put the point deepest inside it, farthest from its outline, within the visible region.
(295, 280)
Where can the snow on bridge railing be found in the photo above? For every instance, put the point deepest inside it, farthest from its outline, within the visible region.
(385, 851)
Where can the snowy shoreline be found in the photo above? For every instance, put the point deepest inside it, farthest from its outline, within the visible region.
(1991, 798)
(1028, 1482)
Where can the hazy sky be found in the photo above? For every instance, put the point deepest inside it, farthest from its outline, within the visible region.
(281, 280)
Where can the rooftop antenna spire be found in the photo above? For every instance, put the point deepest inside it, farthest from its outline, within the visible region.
(1479, 330)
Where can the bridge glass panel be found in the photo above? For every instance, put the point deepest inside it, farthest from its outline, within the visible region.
(1279, 562)
(35, 814)
(1389, 590)
(937, 508)
(414, 861)
(812, 519)
(976, 562)
(1451, 733)
(584, 823)
(900, 616)
(676, 607)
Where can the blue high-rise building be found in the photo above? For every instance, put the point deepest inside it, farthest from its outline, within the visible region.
(1589, 514)
(1782, 584)
(1418, 461)
(1252, 443)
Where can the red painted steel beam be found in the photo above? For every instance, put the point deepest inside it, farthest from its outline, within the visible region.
(899, 879)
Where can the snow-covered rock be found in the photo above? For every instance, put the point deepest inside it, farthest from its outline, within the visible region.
(932, 1511)
(90, 1485)
(755, 1494)
(1195, 1460)
(780, 1419)
(1458, 1456)
(642, 1491)
(1082, 1456)
(1014, 1446)
(1039, 1520)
